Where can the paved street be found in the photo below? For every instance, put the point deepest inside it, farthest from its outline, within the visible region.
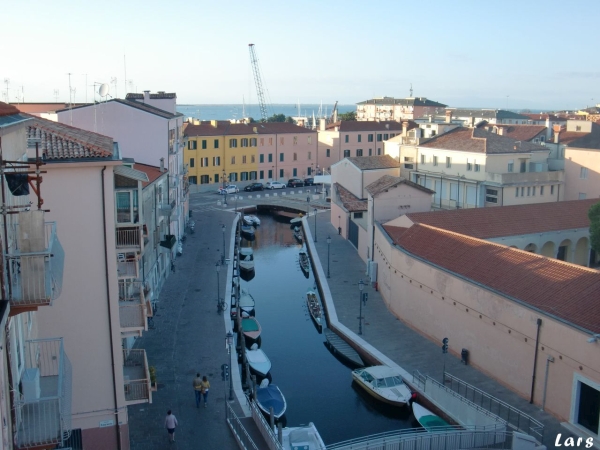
(189, 335)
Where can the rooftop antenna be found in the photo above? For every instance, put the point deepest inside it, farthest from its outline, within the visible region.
(55, 95)
(7, 82)
(411, 90)
(71, 91)
(113, 81)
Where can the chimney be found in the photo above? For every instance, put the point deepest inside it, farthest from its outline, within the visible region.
(146, 96)
(255, 130)
(213, 123)
(448, 116)
(322, 123)
(472, 124)
(430, 118)
(548, 129)
(556, 129)
(196, 122)
(162, 165)
(404, 128)
(500, 131)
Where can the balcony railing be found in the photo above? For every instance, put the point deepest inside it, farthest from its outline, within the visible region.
(136, 376)
(43, 409)
(128, 237)
(127, 269)
(525, 178)
(34, 278)
(132, 306)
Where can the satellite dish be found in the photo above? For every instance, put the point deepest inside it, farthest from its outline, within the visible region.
(103, 91)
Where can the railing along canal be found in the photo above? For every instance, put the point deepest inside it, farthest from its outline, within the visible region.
(238, 429)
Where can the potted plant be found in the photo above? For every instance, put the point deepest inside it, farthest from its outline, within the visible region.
(153, 384)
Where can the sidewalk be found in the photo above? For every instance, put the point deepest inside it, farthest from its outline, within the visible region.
(392, 337)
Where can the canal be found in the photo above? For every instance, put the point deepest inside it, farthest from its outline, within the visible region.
(318, 387)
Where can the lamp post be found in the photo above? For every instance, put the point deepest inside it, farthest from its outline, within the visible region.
(315, 225)
(223, 256)
(328, 243)
(307, 205)
(218, 268)
(223, 178)
(229, 338)
(361, 286)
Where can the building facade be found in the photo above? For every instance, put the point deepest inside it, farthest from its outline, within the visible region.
(397, 109)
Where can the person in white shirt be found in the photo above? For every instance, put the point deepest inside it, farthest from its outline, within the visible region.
(170, 424)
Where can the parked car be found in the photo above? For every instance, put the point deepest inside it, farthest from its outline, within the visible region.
(295, 182)
(274, 185)
(309, 181)
(229, 189)
(254, 187)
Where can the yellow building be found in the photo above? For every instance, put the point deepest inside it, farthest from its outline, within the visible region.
(218, 150)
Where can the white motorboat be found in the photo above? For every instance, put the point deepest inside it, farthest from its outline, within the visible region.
(258, 361)
(270, 396)
(252, 220)
(384, 383)
(246, 258)
(306, 437)
(246, 304)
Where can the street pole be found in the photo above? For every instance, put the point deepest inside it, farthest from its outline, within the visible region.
(223, 256)
(361, 286)
(328, 244)
(315, 225)
(218, 267)
(229, 343)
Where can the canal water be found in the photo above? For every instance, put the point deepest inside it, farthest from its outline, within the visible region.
(318, 387)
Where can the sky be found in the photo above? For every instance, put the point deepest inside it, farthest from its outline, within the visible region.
(525, 54)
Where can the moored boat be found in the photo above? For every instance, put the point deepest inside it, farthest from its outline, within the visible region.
(251, 220)
(248, 232)
(298, 234)
(427, 419)
(384, 383)
(247, 304)
(246, 258)
(314, 308)
(251, 328)
(306, 437)
(270, 396)
(258, 361)
(304, 264)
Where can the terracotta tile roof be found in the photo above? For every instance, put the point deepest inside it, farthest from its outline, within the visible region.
(226, 128)
(363, 125)
(60, 141)
(387, 181)
(476, 140)
(7, 110)
(153, 172)
(517, 220)
(374, 162)
(517, 132)
(567, 291)
(350, 201)
(409, 101)
(581, 140)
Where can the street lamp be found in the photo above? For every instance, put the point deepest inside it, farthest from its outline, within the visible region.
(315, 225)
(223, 256)
(307, 204)
(218, 268)
(328, 243)
(229, 338)
(224, 176)
(361, 286)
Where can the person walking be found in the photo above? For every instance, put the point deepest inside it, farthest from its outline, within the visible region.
(205, 388)
(170, 425)
(197, 383)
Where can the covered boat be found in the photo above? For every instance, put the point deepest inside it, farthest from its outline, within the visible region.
(248, 232)
(251, 328)
(258, 361)
(427, 419)
(246, 259)
(314, 308)
(384, 383)
(247, 304)
(251, 220)
(270, 396)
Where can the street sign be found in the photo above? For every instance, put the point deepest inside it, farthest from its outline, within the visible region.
(445, 345)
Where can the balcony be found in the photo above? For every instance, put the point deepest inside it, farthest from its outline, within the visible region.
(164, 209)
(127, 268)
(132, 308)
(136, 377)
(525, 178)
(128, 237)
(43, 408)
(35, 263)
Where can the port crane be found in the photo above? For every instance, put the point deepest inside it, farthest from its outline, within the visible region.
(334, 113)
(258, 81)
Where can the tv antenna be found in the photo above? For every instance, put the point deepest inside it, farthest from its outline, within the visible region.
(7, 82)
(113, 81)
(56, 95)
(411, 90)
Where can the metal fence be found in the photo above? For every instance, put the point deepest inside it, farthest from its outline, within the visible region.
(136, 375)
(263, 426)
(515, 419)
(238, 429)
(128, 237)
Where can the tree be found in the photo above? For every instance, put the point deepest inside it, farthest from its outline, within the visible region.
(276, 118)
(288, 119)
(594, 215)
(348, 116)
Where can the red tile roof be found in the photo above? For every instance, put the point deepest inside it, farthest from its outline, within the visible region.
(518, 132)
(350, 201)
(387, 182)
(566, 291)
(581, 140)
(542, 116)
(487, 223)
(60, 141)
(226, 128)
(153, 172)
(374, 162)
(7, 110)
(477, 140)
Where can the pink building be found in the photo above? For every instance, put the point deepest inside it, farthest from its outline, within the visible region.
(397, 109)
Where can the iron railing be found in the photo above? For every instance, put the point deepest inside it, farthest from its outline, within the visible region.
(43, 409)
(136, 375)
(264, 428)
(34, 277)
(132, 305)
(238, 429)
(515, 419)
(127, 269)
(128, 237)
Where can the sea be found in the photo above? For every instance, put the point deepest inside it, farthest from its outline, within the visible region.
(238, 111)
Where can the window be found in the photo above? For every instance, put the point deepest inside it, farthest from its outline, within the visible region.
(204, 162)
(358, 215)
(281, 157)
(203, 144)
(516, 192)
(582, 196)
(232, 143)
(327, 153)
(295, 157)
(280, 173)
(262, 142)
(127, 206)
(370, 152)
(271, 141)
(491, 199)
(577, 128)
(192, 145)
(541, 190)
(583, 173)
(359, 138)
(423, 159)
(252, 142)
(281, 141)
(295, 140)
(522, 192)
(295, 172)
(270, 174)
(379, 151)
(491, 192)
(261, 158)
(309, 140)
(469, 165)
(477, 167)
(346, 139)
(359, 152)
(491, 195)
(379, 137)
(244, 159)
(523, 168)
(528, 191)
(370, 138)
(533, 191)
(270, 159)
(453, 191)
(511, 165)
(551, 190)
(244, 142)
(386, 136)
(216, 143)
(252, 159)
(309, 156)
(192, 162)
(435, 162)
(392, 135)
(194, 179)
(346, 153)
(309, 170)
(261, 175)
(448, 162)
(216, 161)
(233, 160)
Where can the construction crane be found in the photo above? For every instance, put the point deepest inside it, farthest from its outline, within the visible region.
(334, 113)
(257, 79)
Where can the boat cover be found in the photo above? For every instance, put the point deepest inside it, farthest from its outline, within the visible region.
(271, 396)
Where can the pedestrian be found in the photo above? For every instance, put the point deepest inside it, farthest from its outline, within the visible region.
(197, 384)
(170, 424)
(205, 388)
(340, 231)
